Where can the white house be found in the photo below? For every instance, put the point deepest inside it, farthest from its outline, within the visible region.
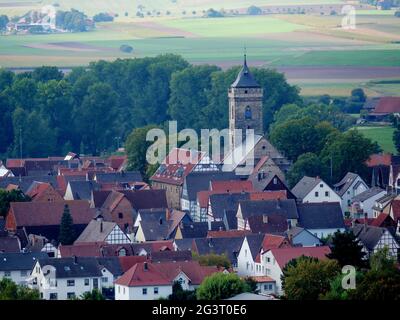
(247, 257)
(347, 188)
(17, 266)
(364, 202)
(152, 281)
(275, 260)
(315, 190)
(4, 172)
(66, 278)
(321, 219)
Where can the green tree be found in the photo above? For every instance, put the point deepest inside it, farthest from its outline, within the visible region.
(23, 93)
(212, 259)
(308, 164)
(67, 233)
(396, 140)
(189, 94)
(307, 278)
(6, 197)
(347, 250)
(252, 285)
(6, 125)
(95, 118)
(47, 73)
(293, 137)
(253, 10)
(221, 286)
(11, 291)
(348, 152)
(178, 294)
(92, 295)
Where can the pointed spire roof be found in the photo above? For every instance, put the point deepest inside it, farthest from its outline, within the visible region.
(245, 78)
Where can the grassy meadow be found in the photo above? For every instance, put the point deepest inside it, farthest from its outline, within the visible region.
(313, 51)
(382, 135)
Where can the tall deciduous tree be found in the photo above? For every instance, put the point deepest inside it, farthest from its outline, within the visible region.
(6, 197)
(11, 291)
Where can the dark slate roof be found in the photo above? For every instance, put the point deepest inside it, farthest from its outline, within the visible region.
(276, 224)
(200, 229)
(367, 194)
(184, 244)
(230, 220)
(255, 243)
(20, 261)
(200, 181)
(369, 236)
(9, 243)
(169, 256)
(304, 186)
(154, 230)
(228, 246)
(112, 264)
(120, 177)
(24, 183)
(226, 202)
(74, 267)
(82, 190)
(245, 78)
(327, 215)
(343, 185)
(285, 207)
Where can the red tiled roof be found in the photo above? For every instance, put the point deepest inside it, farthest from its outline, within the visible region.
(143, 274)
(232, 186)
(88, 249)
(284, 255)
(228, 234)
(379, 220)
(129, 261)
(177, 165)
(387, 105)
(272, 242)
(396, 209)
(379, 159)
(268, 195)
(50, 213)
(38, 189)
(116, 162)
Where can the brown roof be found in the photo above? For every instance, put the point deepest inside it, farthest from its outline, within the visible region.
(262, 279)
(268, 195)
(387, 105)
(177, 165)
(379, 159)
(50, 213)
(143, 274)
(228, 234)
(129, 261)
(284, 255)
(232, 186)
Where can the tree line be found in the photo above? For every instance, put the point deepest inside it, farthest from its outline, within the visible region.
(87, 109)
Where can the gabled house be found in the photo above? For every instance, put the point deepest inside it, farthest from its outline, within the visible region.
(198, 181)
(171, 174)
(247, 257)
(347, 188)
(151, 225)
(44, 218)
(17, 266)
(80, 190)
(314, 190)
(198, 229)
(152, 281)
(4, 172)
(227, 246)
(275, 260)
(375, 238)
(285, 208)
(102, 231)
(301, 237)
(364, 202)
(321, 219)
(41, 191)
(67, 278)
(382, 205)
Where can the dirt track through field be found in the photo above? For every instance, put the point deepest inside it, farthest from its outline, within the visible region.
(69, 46)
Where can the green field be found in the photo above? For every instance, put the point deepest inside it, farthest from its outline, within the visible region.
(277, 41)
(382, 135)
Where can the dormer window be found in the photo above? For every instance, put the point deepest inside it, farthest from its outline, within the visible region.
(247, 113)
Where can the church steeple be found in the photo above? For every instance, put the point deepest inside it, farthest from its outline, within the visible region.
(245, 78)
(245, 105)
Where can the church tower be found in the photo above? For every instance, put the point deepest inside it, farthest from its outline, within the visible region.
(245, 106)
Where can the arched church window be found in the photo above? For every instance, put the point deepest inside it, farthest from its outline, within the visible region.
(247, 113)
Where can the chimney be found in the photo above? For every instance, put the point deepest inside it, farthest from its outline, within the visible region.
(289, 224)
(145, 266)
(290, 238)
(278, 204)
(265, 218)
(161, 222)
(209, 225)
(75, 258)
(101, 226)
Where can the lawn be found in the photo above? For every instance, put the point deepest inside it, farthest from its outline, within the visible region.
(382, 135)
